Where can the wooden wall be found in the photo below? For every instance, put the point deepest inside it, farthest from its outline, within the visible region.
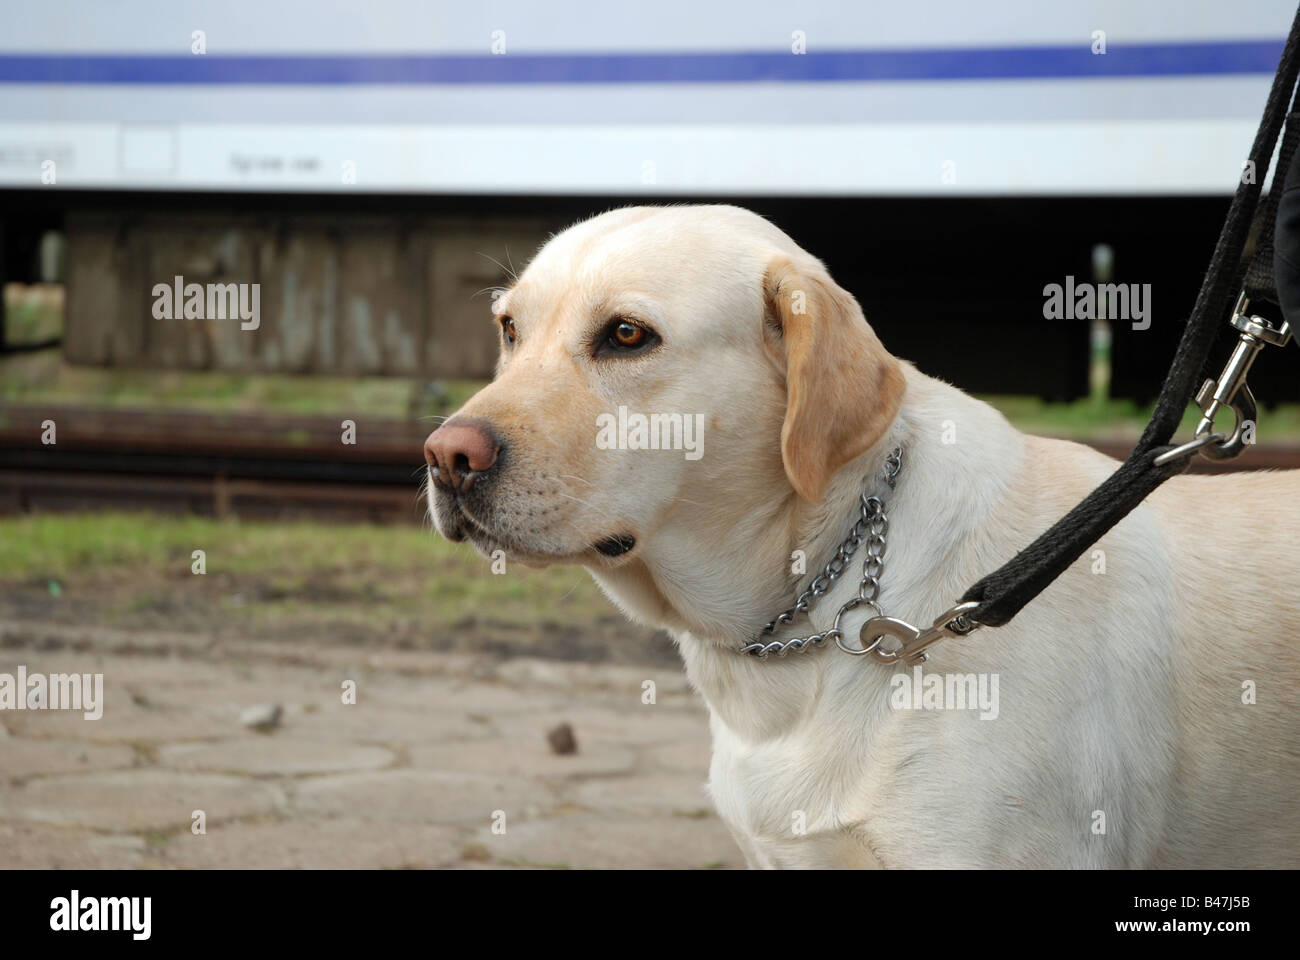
(398, 297)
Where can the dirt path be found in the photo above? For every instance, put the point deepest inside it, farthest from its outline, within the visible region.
(437, 748)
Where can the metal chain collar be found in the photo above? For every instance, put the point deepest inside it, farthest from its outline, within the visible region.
(909, 643)
(873, 526)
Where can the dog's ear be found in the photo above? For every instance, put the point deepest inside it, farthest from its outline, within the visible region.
(843, 389)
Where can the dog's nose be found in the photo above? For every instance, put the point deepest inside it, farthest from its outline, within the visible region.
(460, 451)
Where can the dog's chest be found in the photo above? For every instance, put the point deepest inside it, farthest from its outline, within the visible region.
(787, 806)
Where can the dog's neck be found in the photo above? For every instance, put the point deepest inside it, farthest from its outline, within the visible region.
(712, 593)
(721, 586)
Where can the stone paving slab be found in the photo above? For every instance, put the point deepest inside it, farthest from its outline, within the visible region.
(595, 842)
(437, 749)
(423, 796)
(137, 799)
(635, 723)
(22, 758)
(122, 722)
(687, 756)
(497, 699)
(345, 844)
(260, 755)
(524, 759)
(391, 726)
(36, 846)
(653, 794)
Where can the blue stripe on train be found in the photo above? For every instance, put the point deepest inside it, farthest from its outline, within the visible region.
(832, 66)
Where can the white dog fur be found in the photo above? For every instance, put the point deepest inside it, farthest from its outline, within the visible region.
(1121, 692)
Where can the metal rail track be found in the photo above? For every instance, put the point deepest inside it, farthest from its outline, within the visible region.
(214, 464)
(260, 466)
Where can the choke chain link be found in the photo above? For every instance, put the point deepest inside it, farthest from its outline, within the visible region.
(872, 528)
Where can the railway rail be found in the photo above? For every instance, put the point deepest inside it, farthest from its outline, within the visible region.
(270, 466)
(214, 464)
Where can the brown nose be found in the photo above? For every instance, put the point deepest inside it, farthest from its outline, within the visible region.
(460, 451)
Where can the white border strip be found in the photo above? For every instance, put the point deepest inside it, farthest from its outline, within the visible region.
(1170, 157)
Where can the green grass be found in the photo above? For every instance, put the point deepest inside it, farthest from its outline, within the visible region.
(297, 570)
(1100, 419)
(44, 378)
(35, 317)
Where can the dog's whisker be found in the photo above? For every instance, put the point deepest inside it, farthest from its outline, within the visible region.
(568, 593)
(601, 510)
(509, 271)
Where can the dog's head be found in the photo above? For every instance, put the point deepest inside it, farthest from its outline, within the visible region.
(660, 367)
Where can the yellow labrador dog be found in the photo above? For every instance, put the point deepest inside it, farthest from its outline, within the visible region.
(690, 407)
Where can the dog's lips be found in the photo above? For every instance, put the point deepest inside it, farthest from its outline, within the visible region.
(470, 528)
(488, 541)
(457, 523)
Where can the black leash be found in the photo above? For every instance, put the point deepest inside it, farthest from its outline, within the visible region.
(994, 600)
(1002, 594)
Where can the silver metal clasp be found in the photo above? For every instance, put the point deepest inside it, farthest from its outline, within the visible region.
(1231, 390)
(912, 642)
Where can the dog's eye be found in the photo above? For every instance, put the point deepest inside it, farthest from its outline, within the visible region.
(629, 335)
(625, 336)
(508, 330)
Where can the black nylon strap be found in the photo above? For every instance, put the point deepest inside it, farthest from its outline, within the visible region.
(1260, 282)
(1005, 591)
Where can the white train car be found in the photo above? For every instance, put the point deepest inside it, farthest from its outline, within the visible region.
(675, 98)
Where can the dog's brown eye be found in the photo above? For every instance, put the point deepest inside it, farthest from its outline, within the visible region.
(508, 330)
(622, 336)
(628, 335)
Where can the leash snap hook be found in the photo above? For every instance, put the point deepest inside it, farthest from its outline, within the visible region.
(913, 641)
(1231, 390)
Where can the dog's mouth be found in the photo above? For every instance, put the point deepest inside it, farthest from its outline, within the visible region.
(462, 525)
(458, 524)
